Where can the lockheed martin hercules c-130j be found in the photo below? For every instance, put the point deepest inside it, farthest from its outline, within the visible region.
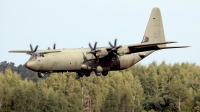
(100, 60)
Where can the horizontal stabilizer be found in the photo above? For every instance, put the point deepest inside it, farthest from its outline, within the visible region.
(151, 46)
(172, 47)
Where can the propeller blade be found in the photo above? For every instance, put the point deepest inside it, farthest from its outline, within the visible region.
(95, 45)
(90, 46)
(115, 44)
(114, 48)
(118, 47)
(54, 46)
(36, 48)
(31, 47)
(92, 52)
(110, 44)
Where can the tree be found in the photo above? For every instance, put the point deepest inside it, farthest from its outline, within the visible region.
(111, 103)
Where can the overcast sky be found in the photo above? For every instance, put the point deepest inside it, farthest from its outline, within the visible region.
(74, 23)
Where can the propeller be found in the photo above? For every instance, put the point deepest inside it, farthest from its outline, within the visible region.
(54, 46)
(114, 47)
(32, 50)
(94, 51)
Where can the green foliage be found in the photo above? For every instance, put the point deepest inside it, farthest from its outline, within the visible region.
(156, 87)
(21, 69)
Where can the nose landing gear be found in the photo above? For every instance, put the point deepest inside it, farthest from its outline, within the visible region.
(40, 75)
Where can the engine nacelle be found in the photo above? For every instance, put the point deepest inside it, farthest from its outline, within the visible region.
(103, 52)
(86, 67)
(123, 50)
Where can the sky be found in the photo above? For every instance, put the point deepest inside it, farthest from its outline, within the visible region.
(74, 23)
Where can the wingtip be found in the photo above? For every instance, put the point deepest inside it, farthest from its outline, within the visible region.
(171, 47)
(172, 42)
(187, 46)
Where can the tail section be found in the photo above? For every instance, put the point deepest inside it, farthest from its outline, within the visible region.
(154, 37)
(154, 31)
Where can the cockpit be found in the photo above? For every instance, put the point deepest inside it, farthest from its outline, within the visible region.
(35, 55)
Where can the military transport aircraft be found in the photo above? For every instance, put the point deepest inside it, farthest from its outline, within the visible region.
(101, 60)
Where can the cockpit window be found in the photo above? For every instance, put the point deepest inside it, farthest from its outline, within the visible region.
(35, 55)
(41, 54)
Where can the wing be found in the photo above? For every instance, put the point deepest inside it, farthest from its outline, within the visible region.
(19, 51)
(151, 46)
(39, 51)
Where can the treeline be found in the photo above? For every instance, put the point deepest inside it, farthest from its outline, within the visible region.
(21, 69)
(156, 87)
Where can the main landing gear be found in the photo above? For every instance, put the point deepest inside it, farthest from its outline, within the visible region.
(98, 73)
(81, 74)
(87, 74)
(104, 73)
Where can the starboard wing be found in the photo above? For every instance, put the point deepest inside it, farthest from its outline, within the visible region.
(39, 51)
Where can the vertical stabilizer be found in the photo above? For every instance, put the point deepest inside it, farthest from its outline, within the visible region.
(154, 31)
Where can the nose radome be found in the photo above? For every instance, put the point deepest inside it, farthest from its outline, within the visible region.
(30, 65)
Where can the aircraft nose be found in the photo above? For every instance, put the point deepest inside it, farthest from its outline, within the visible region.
(29, 65)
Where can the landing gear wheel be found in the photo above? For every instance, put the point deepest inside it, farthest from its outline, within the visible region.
(87, 74)
(104, 73)
(80, 74)
(98, 73)
(40, 75)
